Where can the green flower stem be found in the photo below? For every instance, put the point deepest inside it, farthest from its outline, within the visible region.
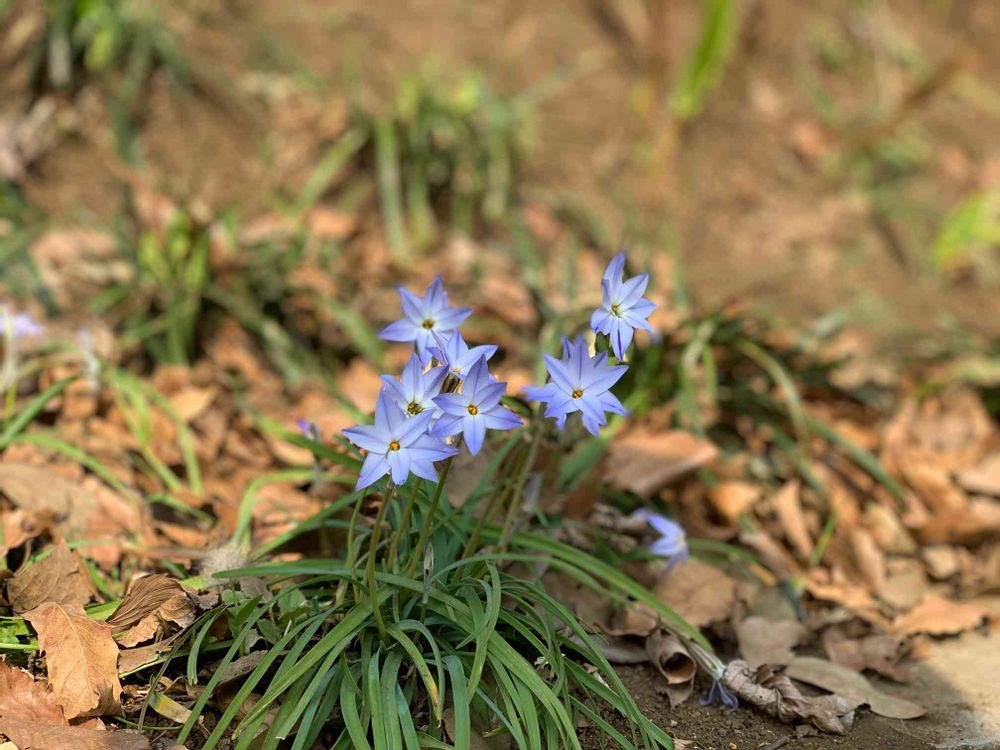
(352, 556)
(425, 532)
(372, 554)
(404, 523)
(518, 492)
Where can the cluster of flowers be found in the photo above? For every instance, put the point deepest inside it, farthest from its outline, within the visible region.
(446, 389)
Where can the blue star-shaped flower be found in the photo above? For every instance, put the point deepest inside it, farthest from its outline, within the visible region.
(672, 544)
(397, 445)
(457, 355)
(415, 394)
(425, 316)
(474, 410)
(623, 308)
(579, 383)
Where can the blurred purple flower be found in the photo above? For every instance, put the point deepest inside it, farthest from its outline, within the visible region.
(579, 383)
(474, 410)
(425, 316)
(415, 394)
(457, 355)
(21, 325)
(308, 429)
(623, 308)
(397, 446)
(672, 542)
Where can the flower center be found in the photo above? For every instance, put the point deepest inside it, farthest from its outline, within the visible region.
(473, 409)
(394, 445)
(577, 393)
(413, 408)
(428, 323)
(616, 310)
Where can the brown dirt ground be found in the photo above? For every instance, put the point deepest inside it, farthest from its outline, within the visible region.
(716, 728)
(759, 192)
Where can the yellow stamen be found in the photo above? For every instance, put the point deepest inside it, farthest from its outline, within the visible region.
(473, 409)
(394, 445)
(616, 311)
(428, 324)
(577, 393)
(413, 408)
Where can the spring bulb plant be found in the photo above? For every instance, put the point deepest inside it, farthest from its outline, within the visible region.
(421, 615)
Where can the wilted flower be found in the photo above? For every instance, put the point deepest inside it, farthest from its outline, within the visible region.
(19, 325)
(397, 446)
(579, 383)
(457, 355)
(425, 316)
(474, 410)
(672, 544)
(719, 693)
(623, 308)
(415, 394)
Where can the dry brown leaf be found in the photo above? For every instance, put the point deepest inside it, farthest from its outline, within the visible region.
(23, 698)
(20, 525)
(731, 499)
(29, 735)
(158, 595)
(774, 693)
(879, 651)
(868, 557)
(888, 530)
(644, 462)
(938, 616)
(851, 685)
(674, 662)
(191, 402)
(983, 478)
(81, 658)
(766, 641)
(58, 578)
(942, 561)
(698, 592)
(38, 489)
(905, 583)
(788, 506)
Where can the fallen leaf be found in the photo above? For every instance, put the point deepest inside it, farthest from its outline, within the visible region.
(23, 698)
(360, 384)
(190, 402)
(672, 659)
(851, 685)
(938, 616)
(788, 506)
(698, 592)
(765, 641)
(20, 525)
(905, 583)
(983, 478)
(167, 707)
(81, 658)
(644, 462)
(868, 557)
(58, 578)
(131, 659)
(732, 499)
(28, 735)
(942, 561)
(880, 652)
(774, 694)
(151, 602)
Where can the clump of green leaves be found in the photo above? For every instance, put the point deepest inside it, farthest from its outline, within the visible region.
(125, 41)
(161, 308)
(412, 641)
(445, 155)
